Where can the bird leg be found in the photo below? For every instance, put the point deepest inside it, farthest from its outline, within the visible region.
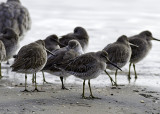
(7, 62)
(63, 87)
(135, 70)
(113, 82)
(129, 73)
(36, 89)
(0, 71)
(44, 80)
(91, 95)
(25, 90)
(33, 79)
(116, 76)
(83, 96)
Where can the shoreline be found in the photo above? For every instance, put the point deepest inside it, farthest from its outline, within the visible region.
(126, 99)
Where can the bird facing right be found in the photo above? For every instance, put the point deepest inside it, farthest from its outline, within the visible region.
(51, 43)
(143, 41)
(87, 66)
(119, 53)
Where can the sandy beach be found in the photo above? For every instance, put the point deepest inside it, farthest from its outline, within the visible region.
(105, 21)
(126, 99)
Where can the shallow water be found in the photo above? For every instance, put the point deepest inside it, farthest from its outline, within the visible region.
(105, 21)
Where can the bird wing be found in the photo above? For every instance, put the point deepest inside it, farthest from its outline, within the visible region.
(141, 46)
(78, 65)
(66, 38)
(117, 53)
(27, 58)
(60, 57)
(14, 16)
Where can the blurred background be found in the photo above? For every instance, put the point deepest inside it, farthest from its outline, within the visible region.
(105, 21)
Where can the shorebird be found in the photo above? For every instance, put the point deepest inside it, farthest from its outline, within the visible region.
(79, 34)
(14, 15)
(2, 55)
(119, 53)
(10, 41)
(30, 59)
(87, 66)
(62, 55)
(51, 43)
(143, 41)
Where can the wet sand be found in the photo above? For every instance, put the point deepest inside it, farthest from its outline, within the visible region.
(126, 99)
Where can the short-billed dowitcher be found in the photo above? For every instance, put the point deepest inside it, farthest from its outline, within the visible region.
(119, 53)
(10, 41)
(143, 41)
(79, 34)
(87, 66)
(51, 43)
(30, 59)
(62, 55)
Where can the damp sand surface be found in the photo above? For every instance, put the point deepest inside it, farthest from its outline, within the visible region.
(126, 99)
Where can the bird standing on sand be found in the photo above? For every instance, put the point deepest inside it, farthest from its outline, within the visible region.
(30, 59)
(79, 34)
(143, 41)
(51, 43)
(14, 15)
(87, 66)
(10, 41)
(62, 55)
(2, 55)
(119, 53)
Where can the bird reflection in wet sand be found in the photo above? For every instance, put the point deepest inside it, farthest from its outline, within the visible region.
(30, 59)
(87, 66)
(143, 41)
(62, 55)
(119, 53)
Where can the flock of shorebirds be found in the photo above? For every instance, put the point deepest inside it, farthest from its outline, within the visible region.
(65, 56)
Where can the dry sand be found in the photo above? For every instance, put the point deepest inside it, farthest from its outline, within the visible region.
(122, 100)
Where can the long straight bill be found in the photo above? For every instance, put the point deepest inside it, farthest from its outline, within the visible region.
(155, 39)
(113, 64)
(133, 45)
(50, 52)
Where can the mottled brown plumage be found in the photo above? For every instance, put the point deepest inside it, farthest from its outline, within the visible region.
(86, 66)
(79, 34)
(62, 55)
(2, 55)
(51, 43)
(119, 53)
(30, 59)
(143, 41)
(10, 41)
(14, 15)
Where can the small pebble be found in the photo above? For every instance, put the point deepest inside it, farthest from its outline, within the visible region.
(142, 101)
